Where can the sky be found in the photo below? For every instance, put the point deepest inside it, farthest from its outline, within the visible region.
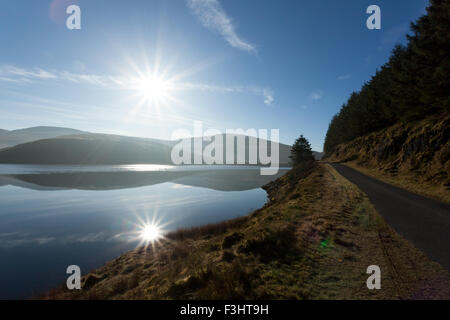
(151, 67)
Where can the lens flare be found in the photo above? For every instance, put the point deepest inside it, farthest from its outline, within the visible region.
(149, 230)
(151, 233)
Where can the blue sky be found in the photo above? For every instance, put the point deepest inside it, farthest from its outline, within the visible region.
(263, 64)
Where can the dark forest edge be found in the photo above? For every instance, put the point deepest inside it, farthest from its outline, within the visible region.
(413, 84)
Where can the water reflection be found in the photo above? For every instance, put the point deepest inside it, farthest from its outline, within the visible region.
(49, 220)
(217, 179)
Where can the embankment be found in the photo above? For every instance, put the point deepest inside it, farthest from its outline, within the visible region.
(414, 156)
(314, 239)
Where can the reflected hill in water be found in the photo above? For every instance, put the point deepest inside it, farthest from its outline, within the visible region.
(221, 179)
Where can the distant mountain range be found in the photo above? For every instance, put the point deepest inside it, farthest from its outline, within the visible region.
(15, 137)
(53, 145)
(318, 155)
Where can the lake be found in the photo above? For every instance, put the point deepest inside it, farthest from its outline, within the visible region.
(55, 216)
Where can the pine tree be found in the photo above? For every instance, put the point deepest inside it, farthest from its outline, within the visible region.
(413, 84)
(301, 151)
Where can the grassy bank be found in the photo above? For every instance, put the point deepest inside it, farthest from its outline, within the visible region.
(314, 239)
(414, 156)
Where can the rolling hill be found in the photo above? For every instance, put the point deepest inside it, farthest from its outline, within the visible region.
(95, 149)
(55, 145)
(88, 149)
(15, 137)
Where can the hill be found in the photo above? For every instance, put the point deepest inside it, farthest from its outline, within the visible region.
(108, 149)
(88, 149)
(414, 155)
(15, 137)
(284, 150)
(318, 155)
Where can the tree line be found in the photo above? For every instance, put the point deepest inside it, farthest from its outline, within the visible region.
(414, 83)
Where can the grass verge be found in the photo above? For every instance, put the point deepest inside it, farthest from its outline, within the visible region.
(405, 181)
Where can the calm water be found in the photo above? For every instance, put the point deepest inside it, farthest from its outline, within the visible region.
(55, 216)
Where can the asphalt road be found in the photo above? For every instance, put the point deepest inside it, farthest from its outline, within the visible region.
(424, 222)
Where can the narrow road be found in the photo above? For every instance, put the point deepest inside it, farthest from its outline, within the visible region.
(424, 222)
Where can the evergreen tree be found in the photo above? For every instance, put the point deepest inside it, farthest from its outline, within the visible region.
(414, 82)
(301, 151)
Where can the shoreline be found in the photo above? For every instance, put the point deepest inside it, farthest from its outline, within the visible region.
(313, 239)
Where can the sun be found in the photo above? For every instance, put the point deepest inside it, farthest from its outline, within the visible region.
(153, 89)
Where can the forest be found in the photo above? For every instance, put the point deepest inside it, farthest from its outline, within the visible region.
(413, 84)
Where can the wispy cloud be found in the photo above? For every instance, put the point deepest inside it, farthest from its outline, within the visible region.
(344, 77)
(266, 93)
(207, 87)
(6, 79)
(316, 95)
(38, 73)
(12, 74)
(213, 16)
(16, 74)
(268, 97)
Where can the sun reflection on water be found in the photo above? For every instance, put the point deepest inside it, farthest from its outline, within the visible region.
(150, 233)
(146, 167)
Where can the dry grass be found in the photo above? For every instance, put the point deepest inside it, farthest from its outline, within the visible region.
(206, 230)
(414, 156)
(313, 240)
(406, 181)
